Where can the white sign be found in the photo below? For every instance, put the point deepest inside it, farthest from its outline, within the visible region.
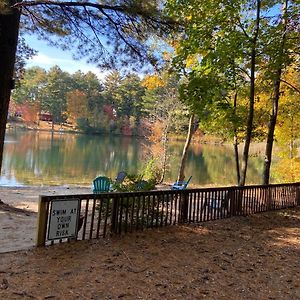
(63, 219)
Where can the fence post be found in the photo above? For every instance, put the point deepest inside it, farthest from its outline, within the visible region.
(42, 222)
(231, 202)
(236, 198)
(184, 206)
(270, 205)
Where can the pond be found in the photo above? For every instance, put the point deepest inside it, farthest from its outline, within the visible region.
(45, 158)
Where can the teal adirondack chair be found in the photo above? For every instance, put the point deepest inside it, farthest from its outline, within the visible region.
(101, 185)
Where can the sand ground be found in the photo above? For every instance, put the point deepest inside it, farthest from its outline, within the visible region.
(18, 214)
(254, 257)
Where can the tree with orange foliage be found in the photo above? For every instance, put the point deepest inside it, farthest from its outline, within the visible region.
(76, 106)
(161, 103)
(30, 111)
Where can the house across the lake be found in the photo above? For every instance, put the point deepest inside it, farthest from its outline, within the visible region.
(45, 117)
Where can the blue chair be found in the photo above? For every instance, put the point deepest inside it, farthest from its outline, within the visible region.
(101, 185)
(120, 177)
(181, 185)
(118, 181)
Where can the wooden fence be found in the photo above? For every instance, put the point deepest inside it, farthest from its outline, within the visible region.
(116, 213)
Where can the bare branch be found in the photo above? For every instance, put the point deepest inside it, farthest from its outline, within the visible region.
(120, 34)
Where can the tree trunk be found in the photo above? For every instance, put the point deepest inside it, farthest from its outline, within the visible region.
(236, 157)
(236, 143)
(271, 129)
(165, 148)
(249, 130)
(185, 149)
(9, 30)
(275, 102)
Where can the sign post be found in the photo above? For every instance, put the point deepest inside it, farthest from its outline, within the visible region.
(63, 221)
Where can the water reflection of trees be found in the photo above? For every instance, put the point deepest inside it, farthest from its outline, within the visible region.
(42, 157)
(68, 158)
(213, 165)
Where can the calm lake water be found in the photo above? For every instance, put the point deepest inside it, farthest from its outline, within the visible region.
(36, 158)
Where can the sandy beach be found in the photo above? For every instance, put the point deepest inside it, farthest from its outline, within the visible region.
(18, 213)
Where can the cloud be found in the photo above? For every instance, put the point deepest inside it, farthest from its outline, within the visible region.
(66, 64)
(42, 59)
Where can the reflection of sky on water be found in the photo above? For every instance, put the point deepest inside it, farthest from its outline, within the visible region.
(9, 181)
(9, 141)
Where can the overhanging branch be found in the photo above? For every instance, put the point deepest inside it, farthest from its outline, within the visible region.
(291, 85)
(128, 26)
(125, 9)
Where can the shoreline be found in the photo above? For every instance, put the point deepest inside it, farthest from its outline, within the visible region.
(64, 129)
(26, 197)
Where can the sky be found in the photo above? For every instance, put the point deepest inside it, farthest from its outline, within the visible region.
(48, 57)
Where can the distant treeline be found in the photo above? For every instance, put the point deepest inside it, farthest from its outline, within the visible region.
(119, 104)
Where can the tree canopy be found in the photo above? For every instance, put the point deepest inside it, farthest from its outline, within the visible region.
(226, 47)
(111, 34)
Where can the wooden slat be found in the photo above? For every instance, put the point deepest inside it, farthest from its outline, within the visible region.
(99, 218)
(92, 219)
(143, 212)
(85, 218)
(121, 214)
(106, 215)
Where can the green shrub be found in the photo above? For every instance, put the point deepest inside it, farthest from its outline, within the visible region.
(152, 172)
(134, 182)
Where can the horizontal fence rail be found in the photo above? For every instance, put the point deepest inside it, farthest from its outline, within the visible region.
(107, 213)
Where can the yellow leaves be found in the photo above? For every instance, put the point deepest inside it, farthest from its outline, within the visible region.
(288, 123)
(152, 82)
(262, 101)
(191, 60)
(291, 78)
(288, 170)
